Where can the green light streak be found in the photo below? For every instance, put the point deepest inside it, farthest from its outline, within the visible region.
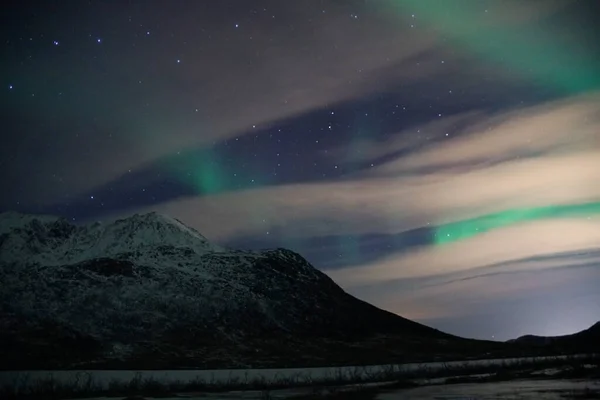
(528, 50)
(202, 171)
(468, 228)
(208, 173)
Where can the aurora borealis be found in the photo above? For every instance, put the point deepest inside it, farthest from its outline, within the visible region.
(528, 50)
(440, 159)
(451, 232)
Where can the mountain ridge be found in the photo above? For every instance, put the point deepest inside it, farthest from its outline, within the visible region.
(589, 337)
(148, 290)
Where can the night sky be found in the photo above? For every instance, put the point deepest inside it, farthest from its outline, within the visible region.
(440, 159)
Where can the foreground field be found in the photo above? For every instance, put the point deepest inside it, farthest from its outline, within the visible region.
(357, 382)
(521, 390)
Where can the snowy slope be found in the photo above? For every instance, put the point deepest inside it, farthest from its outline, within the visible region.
(148, 290)
(55, 241)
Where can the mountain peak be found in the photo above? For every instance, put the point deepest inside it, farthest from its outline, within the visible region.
(149, 216)
(53, 240)
(154, 217)
(154, 228)
(149, 289)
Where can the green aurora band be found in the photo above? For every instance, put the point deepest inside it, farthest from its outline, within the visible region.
(460, 230)
(208, 173)
(527, 50)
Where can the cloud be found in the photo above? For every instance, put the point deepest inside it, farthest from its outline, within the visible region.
(561, 166)
(370, 149)
(563, 127)
(524, 298)
(513, 243)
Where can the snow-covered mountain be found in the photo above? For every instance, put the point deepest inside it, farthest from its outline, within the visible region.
(54, 241)
(150, 292)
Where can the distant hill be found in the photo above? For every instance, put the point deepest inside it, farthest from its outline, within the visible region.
(586, 340)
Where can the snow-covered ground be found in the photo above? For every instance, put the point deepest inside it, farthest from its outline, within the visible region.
(103, 378)
(514, 390)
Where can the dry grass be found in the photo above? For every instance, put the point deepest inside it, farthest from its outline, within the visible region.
(329, 387)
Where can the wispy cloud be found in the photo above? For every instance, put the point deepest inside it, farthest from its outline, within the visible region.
(557, 129)
(547, 155)
(508, 244)
(550, 296)
(562, 167)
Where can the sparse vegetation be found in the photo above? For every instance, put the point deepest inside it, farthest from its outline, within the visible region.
(588, 394)
(343, 383)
